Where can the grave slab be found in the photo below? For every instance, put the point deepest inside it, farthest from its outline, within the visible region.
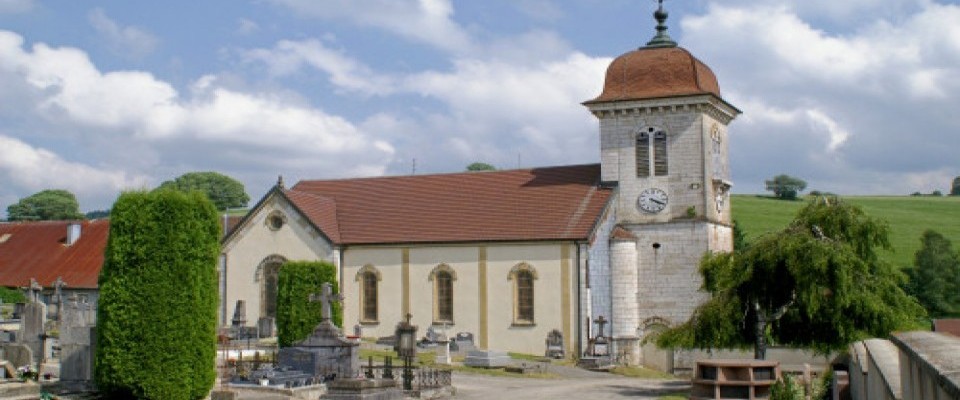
(487, 359)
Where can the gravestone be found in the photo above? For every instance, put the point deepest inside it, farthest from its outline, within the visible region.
(554, 344)
(18, 354)
(326, 350)
(487, 359)
(58, 286)
(77, 337)
(443, 350)
(598, 350)
(239, 322)
(464, 342)
(32, 321)
(267, 327)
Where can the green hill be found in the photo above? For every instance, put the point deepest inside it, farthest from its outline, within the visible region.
(908, 217)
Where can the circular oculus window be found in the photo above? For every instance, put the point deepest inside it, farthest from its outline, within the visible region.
(275, 221)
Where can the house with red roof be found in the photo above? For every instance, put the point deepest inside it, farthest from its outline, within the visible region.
(46, 251)
(513, 256)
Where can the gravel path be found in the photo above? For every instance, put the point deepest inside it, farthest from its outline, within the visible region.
(606, 386)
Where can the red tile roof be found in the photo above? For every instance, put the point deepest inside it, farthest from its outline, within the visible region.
(622, 234)
(554, 203)
(649, 73)
(38, 250)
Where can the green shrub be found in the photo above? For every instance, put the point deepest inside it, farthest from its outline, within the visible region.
(157, 314)
(296, 314)
(787, 389)
(12, 296)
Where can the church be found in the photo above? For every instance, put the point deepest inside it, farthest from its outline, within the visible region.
(510, 256)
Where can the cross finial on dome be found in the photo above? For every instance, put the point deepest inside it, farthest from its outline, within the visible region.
(661, 39)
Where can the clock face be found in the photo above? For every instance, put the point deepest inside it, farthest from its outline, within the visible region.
(652, 200)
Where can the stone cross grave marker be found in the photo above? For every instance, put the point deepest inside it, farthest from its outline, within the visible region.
(58, 286)
(601, 321)
(34, 291)
(326, 297)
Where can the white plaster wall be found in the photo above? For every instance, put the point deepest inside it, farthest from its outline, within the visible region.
(254, 241)
(387, 260)
(463, 260)
(545, 258)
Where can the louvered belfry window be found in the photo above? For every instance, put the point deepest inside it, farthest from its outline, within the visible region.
(651, 154)
(643, 155)
(660, 153)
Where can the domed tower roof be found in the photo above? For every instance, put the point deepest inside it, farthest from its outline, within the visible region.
(659, 69)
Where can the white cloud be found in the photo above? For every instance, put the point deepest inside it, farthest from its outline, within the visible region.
(820, 121)
(140, 123)
(33, 169)
(127, 41)
(288, 57)
(861, 109)
(426, 21)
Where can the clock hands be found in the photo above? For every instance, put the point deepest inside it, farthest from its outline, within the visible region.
(658, 201)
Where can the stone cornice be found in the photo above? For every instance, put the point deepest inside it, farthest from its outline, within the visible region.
(709, 104)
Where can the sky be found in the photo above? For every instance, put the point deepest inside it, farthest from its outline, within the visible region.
(96, 97)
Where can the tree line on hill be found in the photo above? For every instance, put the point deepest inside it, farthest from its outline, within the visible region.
(59, 204)
(225, 193)
(786, 187)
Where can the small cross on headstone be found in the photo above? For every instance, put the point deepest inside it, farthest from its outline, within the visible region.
(326, 297)
(34, 291)
(601, 321)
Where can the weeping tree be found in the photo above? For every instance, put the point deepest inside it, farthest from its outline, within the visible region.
(157, 313)
(817, 284)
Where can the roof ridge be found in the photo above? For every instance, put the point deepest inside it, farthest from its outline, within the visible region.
(439, 174)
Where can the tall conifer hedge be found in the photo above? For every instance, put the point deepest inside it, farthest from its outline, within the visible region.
(296, 315)
(157, 315)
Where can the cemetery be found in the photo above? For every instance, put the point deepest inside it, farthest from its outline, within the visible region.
(559, 277)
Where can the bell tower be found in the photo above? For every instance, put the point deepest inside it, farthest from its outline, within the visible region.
(663, 144)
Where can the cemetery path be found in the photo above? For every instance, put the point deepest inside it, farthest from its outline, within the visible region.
(601, 387)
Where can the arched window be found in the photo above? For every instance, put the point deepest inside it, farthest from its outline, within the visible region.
(443, 277)
(651, 152)
(523, 276)
(369, 279)
(525, 296)
(444, 297)
(268, 274)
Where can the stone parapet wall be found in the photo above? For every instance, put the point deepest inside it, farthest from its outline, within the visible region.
(917, 365)
(929, 365)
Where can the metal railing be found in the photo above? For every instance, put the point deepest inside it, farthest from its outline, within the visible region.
(422, 377)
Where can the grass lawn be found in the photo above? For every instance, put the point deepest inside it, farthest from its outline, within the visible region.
(674, 396)
(908, 217)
